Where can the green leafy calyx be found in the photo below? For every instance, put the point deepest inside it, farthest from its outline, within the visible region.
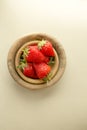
(41, 44)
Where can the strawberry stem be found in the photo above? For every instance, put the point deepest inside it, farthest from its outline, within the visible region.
(48, 77)
(25, 51)
(41, 43)
(21, 66)
(23, 60)
(51, 61)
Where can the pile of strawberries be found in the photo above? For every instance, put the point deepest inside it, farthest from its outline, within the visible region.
(35, 60)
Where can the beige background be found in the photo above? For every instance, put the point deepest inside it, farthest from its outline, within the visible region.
(64, 106)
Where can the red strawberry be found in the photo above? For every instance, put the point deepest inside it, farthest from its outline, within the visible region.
(33, 54)
(28, 70)
(46, 48)
(42, 69)
(47, 59)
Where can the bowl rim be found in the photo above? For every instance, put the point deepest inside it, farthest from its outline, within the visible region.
(15, 47)
(30, 80)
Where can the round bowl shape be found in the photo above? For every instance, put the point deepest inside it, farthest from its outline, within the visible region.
(14, 51)
(54, 67)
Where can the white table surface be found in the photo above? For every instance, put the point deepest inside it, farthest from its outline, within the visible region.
(64, 106)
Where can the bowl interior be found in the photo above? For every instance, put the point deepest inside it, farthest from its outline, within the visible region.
(30, 80)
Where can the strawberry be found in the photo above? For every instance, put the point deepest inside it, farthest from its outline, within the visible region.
(42, 69)
(46, 48)
(47, 59)
(33, 54)
(28, 70)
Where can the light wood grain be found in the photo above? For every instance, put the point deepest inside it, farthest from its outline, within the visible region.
(22, 42)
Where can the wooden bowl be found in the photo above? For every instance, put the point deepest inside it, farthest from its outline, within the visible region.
(30, 80)
(14, 55)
